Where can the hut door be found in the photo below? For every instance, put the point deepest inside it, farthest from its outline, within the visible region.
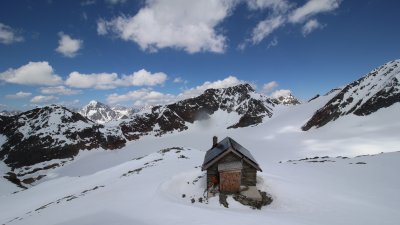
(230, 181)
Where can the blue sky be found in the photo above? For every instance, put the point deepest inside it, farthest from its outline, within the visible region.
(153, 52)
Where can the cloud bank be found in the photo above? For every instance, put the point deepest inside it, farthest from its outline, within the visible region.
(190, 25)
(33, 73)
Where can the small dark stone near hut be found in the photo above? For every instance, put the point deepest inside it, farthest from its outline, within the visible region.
(183, 195)
(222, 200)
(193, 200)
(200, 200)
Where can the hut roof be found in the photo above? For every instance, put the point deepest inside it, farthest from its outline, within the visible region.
(224, 146)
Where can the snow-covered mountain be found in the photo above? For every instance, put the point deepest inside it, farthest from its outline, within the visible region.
(102, 113)
(98, 112)
(239, 101)
(378, 89)
(52, 132)
(9, 113)
(288, 100)
(123, 112)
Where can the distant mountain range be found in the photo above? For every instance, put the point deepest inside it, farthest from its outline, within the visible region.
(55, 132)
(9, 113)
(102, 113)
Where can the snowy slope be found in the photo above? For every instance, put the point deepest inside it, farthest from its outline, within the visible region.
(117, 187)
(150, 190)
(378, 89)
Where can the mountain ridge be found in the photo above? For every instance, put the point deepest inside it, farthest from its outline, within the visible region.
(378, 89)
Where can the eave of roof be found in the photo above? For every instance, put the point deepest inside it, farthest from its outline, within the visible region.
(214, 154)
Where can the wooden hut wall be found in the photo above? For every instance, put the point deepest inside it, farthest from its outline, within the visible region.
(249, 175)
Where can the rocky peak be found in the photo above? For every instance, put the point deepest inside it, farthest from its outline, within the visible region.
(241, 99)
(288, 100)
(98, 112)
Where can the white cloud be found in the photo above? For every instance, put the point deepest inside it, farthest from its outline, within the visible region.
(43, 99)
(183, 24)
(94, 80)
(19, 95)
(144, 78)
(115, 1)
(313, 7)
(281, 93)
(141, 97)
(112, 80)
(269, 87)
(68, 46)
(227, 82)
(61, 90)
(282, 12)
(276, 5)
(266, 27)
(273, 43)
(33, 73)
(310, 26)
(180, 80)
(102, 27)
(9, 35)
(84, 16)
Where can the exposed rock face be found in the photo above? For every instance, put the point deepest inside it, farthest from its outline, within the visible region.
(98, 112)
(102, 113)
(52, 132)
(288, 100)
(378, 89)
(242, 99)
(123, 112)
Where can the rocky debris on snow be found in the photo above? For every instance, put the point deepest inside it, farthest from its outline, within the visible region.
(222, 200)
(138, 170)
(12, 177)
(58, 201)
(313, 98)
(254, 203)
